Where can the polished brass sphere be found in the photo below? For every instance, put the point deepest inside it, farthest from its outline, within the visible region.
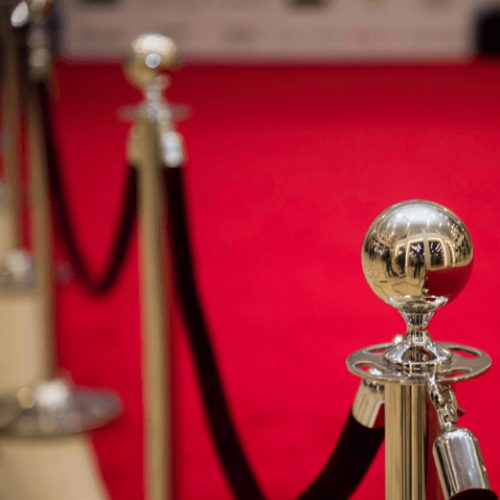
(417, 256)
(148, 55)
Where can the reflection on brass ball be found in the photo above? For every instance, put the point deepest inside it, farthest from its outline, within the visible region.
(417, 255)
(147, 56)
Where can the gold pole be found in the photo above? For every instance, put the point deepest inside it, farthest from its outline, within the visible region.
(149, 54)
(405, 438)
(156, 354)
(10, 116)
(42, 230)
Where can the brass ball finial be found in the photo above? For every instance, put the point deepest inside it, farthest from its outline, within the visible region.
(417, 256)
(148, 55)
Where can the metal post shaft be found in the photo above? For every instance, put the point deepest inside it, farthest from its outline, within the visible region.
(10, 140)
(43, 232)
(405, 436)
(155, 324)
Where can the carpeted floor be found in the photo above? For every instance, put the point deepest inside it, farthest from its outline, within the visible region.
(287, 169)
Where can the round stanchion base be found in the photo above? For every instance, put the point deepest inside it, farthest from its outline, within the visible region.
(55, 407)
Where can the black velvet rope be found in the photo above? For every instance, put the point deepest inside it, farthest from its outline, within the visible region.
(116, 257)
(348, 464)
(238, 471)
(475, 494)
(357, 446)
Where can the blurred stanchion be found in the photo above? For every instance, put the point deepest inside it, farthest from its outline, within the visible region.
(45, 452)
(148, 55)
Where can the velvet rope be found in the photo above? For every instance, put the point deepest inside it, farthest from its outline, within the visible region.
(475, 495)
(116, 256)
(357, 446)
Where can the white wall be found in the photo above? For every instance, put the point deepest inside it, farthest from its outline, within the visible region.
(276, 29)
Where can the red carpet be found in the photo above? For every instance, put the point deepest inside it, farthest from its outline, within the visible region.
(287, 169)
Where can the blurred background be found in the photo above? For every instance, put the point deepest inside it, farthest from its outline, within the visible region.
(284, 30)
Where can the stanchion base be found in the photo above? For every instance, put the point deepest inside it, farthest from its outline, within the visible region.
(54, 408)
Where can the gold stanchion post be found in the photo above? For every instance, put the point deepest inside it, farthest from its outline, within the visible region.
(149, 54)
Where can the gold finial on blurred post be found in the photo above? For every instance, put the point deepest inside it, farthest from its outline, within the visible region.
(148, 56)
